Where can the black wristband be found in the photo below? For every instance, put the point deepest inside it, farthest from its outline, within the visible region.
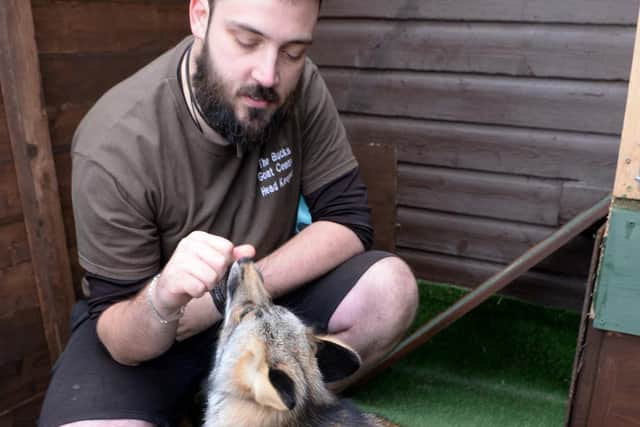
(219, 295)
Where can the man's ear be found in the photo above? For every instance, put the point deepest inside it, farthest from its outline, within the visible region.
(336, 360)
(199, 17)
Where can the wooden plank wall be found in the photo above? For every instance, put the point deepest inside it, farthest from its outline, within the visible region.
(506, 117)
(85, 47)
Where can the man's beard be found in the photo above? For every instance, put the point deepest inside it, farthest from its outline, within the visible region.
(220, 115)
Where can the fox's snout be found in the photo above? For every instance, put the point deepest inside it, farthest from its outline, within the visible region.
(245, 282)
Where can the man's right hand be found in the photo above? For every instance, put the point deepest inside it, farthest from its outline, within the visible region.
(199, 262)
(130, 331)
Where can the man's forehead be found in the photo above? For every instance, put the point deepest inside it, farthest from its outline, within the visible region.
(315, 3)
(293, 2)
(269, 19)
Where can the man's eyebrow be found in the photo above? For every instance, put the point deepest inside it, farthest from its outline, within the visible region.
(250, 29)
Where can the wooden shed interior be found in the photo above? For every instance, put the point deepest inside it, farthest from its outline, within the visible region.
(480, 127)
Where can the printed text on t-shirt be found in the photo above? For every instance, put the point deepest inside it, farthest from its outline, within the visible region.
(275, 171)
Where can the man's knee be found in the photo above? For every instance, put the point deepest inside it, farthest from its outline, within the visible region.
(396, 287)
(387, 291)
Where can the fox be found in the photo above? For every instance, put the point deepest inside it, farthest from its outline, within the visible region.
(270, 369)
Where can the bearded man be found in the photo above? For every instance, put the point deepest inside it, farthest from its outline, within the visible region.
(197, 160)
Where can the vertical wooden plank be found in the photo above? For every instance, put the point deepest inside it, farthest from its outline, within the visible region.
(586, 360)
(378, 168)
(618, 290)
(31, 147)
(627, 183)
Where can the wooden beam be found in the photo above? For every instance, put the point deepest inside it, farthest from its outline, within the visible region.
(31, 147)
(627, 182)
(494, 284)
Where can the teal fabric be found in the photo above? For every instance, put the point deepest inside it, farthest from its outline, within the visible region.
(304, 215)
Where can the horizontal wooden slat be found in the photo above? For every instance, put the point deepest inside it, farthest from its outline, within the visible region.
(10, 205)
(480, 194)
(543, 103)
(83, 78)
(18, 290)
(521, 151)
(578, 197)
(24, 360)
(540, 288)
(568, 51)
(486, 240)
(573, 11)
(63, 121)
(537, 103)
(21, 344)
(14, 247)
(466, 236)
(106, 26)
(24, 414)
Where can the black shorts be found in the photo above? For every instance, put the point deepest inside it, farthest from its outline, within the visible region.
(88, 384)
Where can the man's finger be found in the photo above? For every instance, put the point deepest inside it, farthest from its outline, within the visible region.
(217, 243)
(244, 251)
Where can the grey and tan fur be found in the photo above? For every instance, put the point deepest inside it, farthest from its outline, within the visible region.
(267, 369)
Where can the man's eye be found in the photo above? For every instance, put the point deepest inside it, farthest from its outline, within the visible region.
(294, 55)
(246, 43)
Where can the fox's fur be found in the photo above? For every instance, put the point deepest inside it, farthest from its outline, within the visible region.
(270, 368)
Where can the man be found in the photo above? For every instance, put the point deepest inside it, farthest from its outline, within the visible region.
(196, 160)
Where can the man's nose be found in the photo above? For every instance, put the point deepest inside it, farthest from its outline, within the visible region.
(266, 71)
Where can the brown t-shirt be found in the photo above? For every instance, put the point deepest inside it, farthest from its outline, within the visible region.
(144, 176)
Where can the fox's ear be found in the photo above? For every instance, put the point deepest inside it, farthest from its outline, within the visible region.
(336, 360)
(254, 376)
(285, 387)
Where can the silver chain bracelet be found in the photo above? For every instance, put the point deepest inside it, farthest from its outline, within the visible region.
(150, 290)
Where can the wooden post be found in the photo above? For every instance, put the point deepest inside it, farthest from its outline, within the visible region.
(379, 171)
(618, 281)
(31, 147)
(626, 183)
(604, 391)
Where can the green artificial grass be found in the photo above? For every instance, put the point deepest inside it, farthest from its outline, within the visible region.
(506, 363)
